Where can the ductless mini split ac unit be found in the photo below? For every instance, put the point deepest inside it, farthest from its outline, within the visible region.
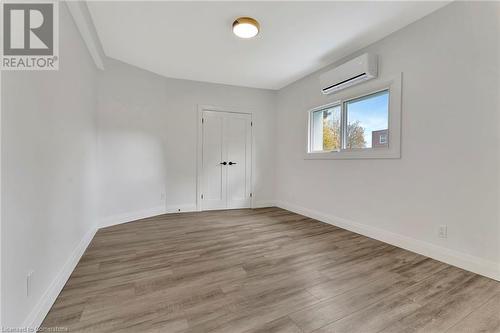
(357, 70)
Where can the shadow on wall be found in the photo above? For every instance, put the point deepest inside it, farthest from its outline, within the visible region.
(132, 163)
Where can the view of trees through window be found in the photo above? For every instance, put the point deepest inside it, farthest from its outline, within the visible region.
(326, 129)
(366, 125)
(331, 130)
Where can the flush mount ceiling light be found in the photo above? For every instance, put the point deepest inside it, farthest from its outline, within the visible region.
(246, 27)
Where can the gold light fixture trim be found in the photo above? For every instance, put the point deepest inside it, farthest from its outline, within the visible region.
(246, 27)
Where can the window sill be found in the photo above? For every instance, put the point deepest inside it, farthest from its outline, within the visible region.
(372, 153)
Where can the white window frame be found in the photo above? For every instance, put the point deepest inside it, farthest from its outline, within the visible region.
(394, 119)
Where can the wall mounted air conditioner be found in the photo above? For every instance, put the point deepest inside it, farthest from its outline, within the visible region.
(357, 70)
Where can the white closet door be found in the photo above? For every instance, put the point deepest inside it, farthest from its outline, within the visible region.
(213, 172)
(239, 152)
(226, 162)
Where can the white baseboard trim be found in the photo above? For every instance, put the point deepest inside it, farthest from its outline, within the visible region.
(37, 315)
(181, 209)
(263, 204)
(462, 260)
(131, 216)
(145, 213)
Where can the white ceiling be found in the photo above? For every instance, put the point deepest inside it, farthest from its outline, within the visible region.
(194, 41)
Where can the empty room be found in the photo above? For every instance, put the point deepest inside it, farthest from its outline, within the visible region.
(250, 166)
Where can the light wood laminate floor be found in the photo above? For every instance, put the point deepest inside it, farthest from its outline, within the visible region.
(264, 270)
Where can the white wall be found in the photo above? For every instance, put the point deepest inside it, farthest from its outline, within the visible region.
(145, 145)
(48, 175)
(148, 135)
(448, 173)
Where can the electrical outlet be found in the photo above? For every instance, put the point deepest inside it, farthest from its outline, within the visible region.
(29, 281)
(443, 231)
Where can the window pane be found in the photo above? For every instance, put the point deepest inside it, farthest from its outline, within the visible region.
(325, 134)
(368, 121)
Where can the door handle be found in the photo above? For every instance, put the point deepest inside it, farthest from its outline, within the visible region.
(231, 163)
(224, 163)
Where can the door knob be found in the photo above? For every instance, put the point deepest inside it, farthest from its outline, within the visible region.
(231, 163)
(224, 163)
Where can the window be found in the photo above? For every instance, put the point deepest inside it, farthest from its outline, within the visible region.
(326, 129)
(382, 138)
(363, 123)
(367, 120)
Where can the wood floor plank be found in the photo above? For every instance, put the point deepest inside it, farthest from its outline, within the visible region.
(438, 314)
(264, 270)
(280, 325)
(417, 307)
(485, 319)
(337, 307)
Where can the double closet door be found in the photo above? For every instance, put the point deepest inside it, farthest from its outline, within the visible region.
(226, 160)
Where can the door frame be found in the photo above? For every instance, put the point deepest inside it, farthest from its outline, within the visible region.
(199, 150)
